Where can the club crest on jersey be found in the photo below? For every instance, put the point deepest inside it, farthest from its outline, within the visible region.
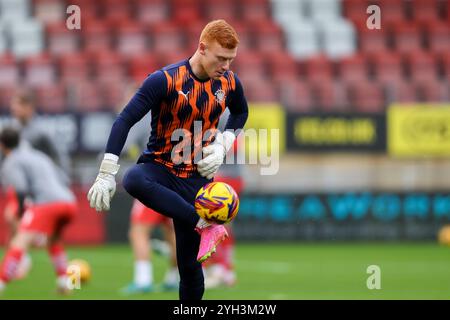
(220, 95)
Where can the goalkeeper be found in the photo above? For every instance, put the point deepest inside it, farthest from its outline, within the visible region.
(195, 89)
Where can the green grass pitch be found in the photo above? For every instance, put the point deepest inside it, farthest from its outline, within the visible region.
(269, 271)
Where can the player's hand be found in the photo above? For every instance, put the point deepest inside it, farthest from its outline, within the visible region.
(214, 154)
(104, 187)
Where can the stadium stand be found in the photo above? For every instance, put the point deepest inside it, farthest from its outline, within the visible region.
(301, 42)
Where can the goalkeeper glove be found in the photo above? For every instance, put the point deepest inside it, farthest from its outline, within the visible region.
(104, 187)
(215, 153)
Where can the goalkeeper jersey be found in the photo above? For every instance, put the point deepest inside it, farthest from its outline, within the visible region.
(178, 99)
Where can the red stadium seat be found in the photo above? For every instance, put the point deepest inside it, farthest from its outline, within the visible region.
(424, 10)
(401, 92)
(85, 97)
(331, 96)
(192, 34)
(39, 70)
(446, 66)
(220, 9)
(185, 11)
(432, 91)
(245, 34)
(366, 97)
(260, 91)
(74, 67)
(151, 12)
(372, 40)
(407, 36)
(281, 66)
(140, 67)
(89, 9)
(354, 8)
(296, 96)
(254, 10)
(251, 65)
(132, 40)
(96, 36)
(50, 98)
(268, 37)
(392, 10)
(49, 11)
(318, 68)
(108, 66)
(438, 36)
(113, 94)
(61, 40)
(422, 66)
(164, 59)
(387, 67)
(353, 69)
(9, 71)
(115, 11)
(167, 37)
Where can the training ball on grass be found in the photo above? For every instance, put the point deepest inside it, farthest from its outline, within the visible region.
(217, 202)
(79, 268)
(444, 235)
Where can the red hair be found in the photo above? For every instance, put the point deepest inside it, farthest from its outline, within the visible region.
(222, 32)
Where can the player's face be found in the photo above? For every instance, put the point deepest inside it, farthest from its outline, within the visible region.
(217, 59)
(21, 111)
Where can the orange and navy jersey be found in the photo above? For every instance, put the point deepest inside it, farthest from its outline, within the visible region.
(185, 112)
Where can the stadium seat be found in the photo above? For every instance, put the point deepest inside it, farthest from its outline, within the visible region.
(288, 12)
(245, 33)
(49, 11)
(432, 91)
(424, 11)
(167, 37)
(324, 10)
(9, 71)
(112, 93)
(116, 11)
(192, 34)
(401, 92)
(339, 38)
(108, 66)
(268, 37)
(74, 67)
(223, 9)
(61, 40)
(185, 11)
(14, 11)
(151, 12)
(407, 36)
(353, 68)
(167, 58)
(309, 44)
(438, 36)
(254, 10)
(132, 39)
(50, 98)
(421, 66)
(3, 43)
(27, 37)
(281, 66)
(317, 69)
(370, 41)
(296, 96)
(140, 67)
(84, 96)
(392, 10)
(250, 65)
(96, 36)
(260, 91)
(331, 96)
(90, 9)
(39, 70)
(446, 66)
(366, 97)
(387, 66)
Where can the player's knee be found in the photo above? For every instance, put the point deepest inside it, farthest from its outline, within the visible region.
(191, 274)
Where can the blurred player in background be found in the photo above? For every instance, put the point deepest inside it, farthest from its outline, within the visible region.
(32, 175)
(144, 221)
(24, 116)
(196, 89)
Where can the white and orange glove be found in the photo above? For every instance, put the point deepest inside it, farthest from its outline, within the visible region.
(214, 154)
(104, 187)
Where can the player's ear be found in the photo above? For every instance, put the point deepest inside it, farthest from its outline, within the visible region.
(202, 48)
